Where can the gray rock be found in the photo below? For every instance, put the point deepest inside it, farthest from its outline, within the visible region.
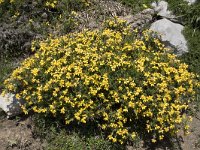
(10, 105)
(140, 19)
(172, 33)
(129, 19)
(161, 8)
(92, 24)
(44, 15)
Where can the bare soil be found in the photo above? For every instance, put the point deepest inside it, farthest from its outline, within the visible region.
(18, 135)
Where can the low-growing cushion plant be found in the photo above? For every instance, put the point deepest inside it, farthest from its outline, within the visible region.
(124, 81)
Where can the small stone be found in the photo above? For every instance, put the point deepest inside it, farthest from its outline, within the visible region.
(162, 9)
(10, 105)
(148, 11)
(129, 18)
(44, 15)
(148, 17)
(92, 25)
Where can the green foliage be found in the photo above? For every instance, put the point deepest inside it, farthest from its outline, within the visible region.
(193, 57)
(189, 14)
(6, 67)
(73, 137)
(2, 114)
(74, 141)
(126, 84)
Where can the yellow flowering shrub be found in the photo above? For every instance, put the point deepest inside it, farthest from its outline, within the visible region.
(112, 76)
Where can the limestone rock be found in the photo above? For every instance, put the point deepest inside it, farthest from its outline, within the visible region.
(172, 33)
(140, 19)
(10, 105)
(161, 8)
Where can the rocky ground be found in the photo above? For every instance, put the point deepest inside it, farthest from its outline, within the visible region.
(192, 141)
(18, 134)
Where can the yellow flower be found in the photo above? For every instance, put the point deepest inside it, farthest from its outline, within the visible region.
(18, 96)
(145, 6)
(1, 1)
(35, 71)
(62, 111)
(153, 140)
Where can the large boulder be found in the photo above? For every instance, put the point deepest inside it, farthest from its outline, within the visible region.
(172, 33)
(10, 105)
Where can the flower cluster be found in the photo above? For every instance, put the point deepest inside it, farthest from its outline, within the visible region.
(123, 81)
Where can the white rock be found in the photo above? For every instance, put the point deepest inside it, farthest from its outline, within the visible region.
(172, 33)
(161, 8)
(10, 105)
